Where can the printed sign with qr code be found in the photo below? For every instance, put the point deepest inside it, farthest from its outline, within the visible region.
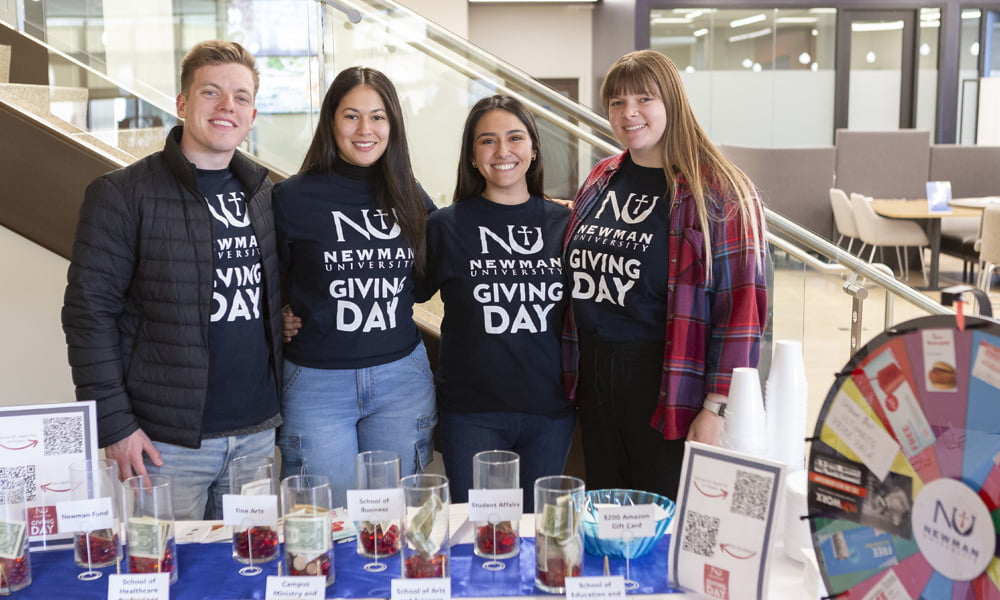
(38, 443)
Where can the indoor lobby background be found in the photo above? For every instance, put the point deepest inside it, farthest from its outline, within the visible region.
(763, 74)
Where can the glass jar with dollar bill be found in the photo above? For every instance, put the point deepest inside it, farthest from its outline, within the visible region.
(306, 501)
(559, 502)
(426, 550)
(149, 525)
(15, 565)
(95, 490)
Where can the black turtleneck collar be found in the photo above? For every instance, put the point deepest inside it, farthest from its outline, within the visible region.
(350, 171)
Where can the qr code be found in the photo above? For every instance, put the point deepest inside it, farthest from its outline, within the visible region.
(750, 498)
(62, 435)
(700, 532)
(25, 473)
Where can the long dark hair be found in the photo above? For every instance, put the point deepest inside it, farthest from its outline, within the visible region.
(395, 186)
(470, 181)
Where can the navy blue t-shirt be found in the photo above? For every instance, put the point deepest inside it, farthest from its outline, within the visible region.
(348, 271)
(241, 388)
(500, 274)
(617, 259)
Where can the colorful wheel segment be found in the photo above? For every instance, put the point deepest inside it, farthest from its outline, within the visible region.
(904, 469)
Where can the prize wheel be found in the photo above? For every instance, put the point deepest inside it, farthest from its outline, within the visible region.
(904, 469)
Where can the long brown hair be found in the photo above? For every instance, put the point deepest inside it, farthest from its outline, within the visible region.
(395, 186)
(687, 148)
(470, 181)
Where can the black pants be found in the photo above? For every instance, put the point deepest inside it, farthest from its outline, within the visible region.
(617, 392)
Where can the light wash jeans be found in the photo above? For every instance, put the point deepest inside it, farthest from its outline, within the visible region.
(200, 477)
(332, 414)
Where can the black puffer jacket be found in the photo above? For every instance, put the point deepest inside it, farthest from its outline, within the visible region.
(139, 294)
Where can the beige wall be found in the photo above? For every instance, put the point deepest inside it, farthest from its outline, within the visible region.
(33, 368)
(544, 41)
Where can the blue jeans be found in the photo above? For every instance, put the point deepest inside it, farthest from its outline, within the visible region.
(541, 442)
(332, 414)
(199, 477)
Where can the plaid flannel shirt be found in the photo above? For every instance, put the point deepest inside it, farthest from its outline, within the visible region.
(712, 326)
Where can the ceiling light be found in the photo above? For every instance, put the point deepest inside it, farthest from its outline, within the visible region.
(797, 20)
(971, 14)
(884, 26)
(700, 32)
(751, 35)
(804, 58)
(870, 57)
(823, 11)
(748, 20)
(669, 21)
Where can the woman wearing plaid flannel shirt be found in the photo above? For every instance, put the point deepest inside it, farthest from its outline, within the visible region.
(665, 254)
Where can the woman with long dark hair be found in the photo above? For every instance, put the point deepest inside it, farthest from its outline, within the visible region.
(495, 256)
(351, 231)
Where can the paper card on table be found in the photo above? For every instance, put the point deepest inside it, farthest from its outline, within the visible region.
(85, 515)
(595, 588)
(375, 505)
(431, 588)
(626, 521)
(495, 505)
(250, 511)
(867, 438)
(727, 503)
(306, 587)
(139, 586)
(938, 197)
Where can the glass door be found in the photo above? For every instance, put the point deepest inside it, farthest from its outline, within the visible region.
(876, 70)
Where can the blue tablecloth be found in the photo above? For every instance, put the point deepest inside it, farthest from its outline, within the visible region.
(208, 572)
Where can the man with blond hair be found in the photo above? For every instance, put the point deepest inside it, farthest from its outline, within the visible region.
(172, 308)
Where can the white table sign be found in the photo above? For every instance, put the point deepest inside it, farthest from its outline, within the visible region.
(38, 443)
(626, 521)
(85, 515)
(308, 587)
(375, 505)
(429, 588)
(139, 586)
(726, 509)
(250, 511)
(495, 505)
(595, 588)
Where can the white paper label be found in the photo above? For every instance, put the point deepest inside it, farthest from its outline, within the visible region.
(626, 522)
(939, 360)
(873, 445)
(595, 588)
(85, 515)
(139, 586)
(250, 511)
(494, 506)
(987, 365)
(889, 588)
(375, 505)
(307, 587)
(431, 588)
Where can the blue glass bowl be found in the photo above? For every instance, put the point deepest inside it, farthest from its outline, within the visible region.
(617, 547)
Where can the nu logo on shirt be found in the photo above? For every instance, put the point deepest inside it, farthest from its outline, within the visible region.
(636, 209)
(230, 211)
(383, 227)
(523, 240)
